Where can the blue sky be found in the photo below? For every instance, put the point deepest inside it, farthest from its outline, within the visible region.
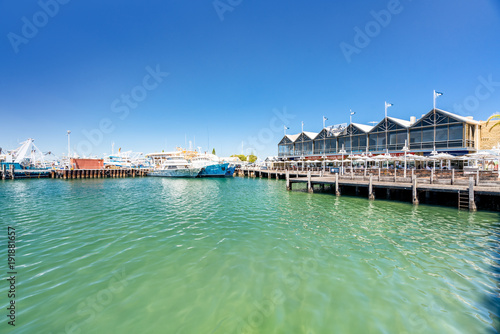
(231, 73)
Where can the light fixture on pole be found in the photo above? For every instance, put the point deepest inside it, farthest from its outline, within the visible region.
(342, 151)
(435, 95)
(324, 142)
(406, 150)
(285, 128)
(387, 105)
(302, 148)
(69, 151)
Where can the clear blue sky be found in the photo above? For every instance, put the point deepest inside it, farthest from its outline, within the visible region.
(233, 69)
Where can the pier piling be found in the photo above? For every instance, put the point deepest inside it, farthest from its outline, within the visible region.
(337, 192)
(309, 185)
(414, 191)
(472, 202)
(371, 196)
(288, 184)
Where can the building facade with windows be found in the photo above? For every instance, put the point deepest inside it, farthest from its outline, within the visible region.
(437, 130)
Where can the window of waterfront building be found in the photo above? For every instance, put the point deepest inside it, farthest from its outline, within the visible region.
(441, 133)
(402, 137)
(427, 135)
(456, 132)
(415, 136)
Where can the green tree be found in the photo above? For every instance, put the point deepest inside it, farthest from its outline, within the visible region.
(213, 151)
(240, 156)
(252, 158)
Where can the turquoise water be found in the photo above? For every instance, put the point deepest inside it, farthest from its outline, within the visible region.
(153, 255)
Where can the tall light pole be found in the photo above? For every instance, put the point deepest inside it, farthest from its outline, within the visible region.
(351, 113)
(302, 149)
(435, 95)
(387, 105)
(69, 151)
(324, 142)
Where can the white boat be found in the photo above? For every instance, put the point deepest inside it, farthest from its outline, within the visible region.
(211, 165)
(172, 164)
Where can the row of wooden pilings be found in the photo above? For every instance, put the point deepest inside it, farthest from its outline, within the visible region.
(9, 174)
(371, 195)
(96, 173)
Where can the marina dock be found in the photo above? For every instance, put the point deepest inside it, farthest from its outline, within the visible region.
(466, 190)
(72, 173)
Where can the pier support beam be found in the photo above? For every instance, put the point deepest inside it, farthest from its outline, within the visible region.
(414, 193)
(472, 202)
(337, 192)
(371, 196)
(288, 183)
(4, 172)
(12, 172)
(395, 173)
(309, 184)
(432, 176)
(452, 177)
(379, 174)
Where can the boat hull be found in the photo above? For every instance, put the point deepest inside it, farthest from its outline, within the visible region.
(180, 172)
(215, 170)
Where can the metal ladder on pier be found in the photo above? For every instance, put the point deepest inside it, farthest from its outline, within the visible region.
(463, 200)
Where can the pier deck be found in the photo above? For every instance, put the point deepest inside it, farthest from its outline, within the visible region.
(461, 188)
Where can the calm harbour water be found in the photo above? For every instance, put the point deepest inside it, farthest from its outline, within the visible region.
(156, 255)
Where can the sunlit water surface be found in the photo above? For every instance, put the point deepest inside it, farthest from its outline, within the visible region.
(157, 255)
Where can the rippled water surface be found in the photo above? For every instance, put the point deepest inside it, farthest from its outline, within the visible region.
(153, 255)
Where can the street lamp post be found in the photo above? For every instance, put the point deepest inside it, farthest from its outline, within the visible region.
(435, 95)
(342, 151)
(406, 150)
(69, 132)
(387, 105)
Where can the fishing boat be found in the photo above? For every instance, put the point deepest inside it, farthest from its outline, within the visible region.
(211, 165)
(28, 161)
(172, 164)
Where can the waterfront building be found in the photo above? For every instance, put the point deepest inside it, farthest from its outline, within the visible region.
(437, 130)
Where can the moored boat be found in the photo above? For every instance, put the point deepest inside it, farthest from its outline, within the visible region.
(172, 164)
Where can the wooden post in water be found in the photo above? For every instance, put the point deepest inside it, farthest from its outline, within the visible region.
(4, 172)
(352, 173)
(379, 174)
(288, 184)
(472, 202)
(12, 172)
(432, 175)
(452, 176)
(395, 173)
(477, 178)
(412, 174)
(371, 196)
(414, 191)
(309, 185)
(337, 192)
(365, 171)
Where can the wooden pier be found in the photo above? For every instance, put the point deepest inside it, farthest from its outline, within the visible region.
(67, 174)
(463, 189)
